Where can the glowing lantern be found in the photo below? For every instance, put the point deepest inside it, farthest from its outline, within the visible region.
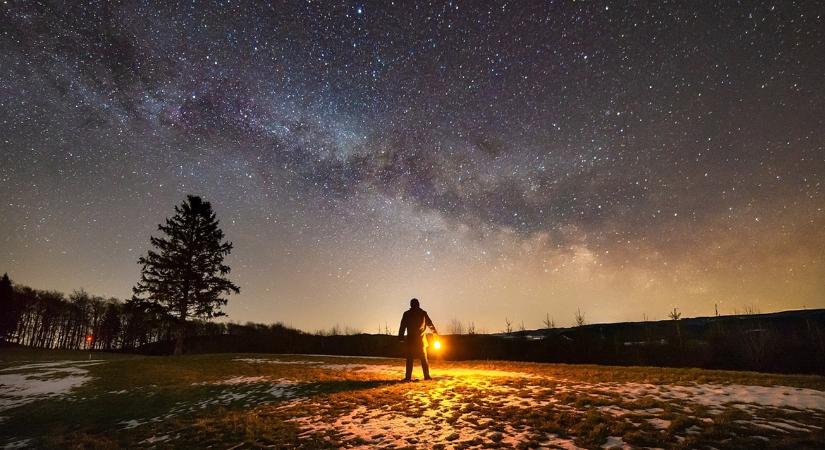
(437, 345)
(89, 338)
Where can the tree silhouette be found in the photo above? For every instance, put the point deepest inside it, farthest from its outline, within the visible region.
(185, 276)
(579, 317)
(110, 327)
(9, 313)
(675, 315)
(455, 327)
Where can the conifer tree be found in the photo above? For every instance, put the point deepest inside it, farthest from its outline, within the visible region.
(184, 274)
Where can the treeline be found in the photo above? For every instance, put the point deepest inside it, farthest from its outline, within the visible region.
(791, 341)
(278, 338)
(783, 342)
(80, 321)
(786, 342)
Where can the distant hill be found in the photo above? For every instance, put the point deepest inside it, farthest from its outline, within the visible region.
(787, 341)
(692, 323)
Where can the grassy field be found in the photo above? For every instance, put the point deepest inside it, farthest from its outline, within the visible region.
(65, 400)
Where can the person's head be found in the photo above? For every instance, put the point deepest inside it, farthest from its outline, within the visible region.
(414, 303)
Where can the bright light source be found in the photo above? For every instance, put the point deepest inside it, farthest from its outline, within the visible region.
(437, 345)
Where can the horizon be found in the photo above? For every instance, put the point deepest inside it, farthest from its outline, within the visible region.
(494, 163)
(339, 329)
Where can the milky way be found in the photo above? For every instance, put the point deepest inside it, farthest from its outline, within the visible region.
(493, 159)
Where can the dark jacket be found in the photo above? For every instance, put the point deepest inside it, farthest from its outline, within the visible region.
(415, 322)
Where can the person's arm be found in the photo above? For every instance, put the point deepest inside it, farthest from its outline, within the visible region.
(402, 327)
(429, 323)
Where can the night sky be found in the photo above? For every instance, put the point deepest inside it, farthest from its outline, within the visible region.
(494, 160)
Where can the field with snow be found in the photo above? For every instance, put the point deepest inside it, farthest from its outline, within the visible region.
(242, 401)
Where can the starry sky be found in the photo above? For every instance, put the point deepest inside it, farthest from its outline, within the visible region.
(494, 159)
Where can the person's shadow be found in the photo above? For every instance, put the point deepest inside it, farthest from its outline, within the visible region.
(334, 386)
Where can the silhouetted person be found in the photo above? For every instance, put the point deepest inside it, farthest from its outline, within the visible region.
(415, 322)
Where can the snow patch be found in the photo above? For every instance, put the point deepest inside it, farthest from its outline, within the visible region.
(233, 381)
(553, 441)
(156, 439)
(23, 443)
(31, 382)
(382, 428)
(134, 423)
(722, 395)
(614, 442)
(660, 424)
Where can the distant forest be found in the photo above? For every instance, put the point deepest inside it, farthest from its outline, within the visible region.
(787, 342)
(80, 321)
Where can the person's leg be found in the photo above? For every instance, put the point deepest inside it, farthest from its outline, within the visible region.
(425, 364)
(408, 375)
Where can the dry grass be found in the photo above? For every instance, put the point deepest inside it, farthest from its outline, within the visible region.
(249, 401)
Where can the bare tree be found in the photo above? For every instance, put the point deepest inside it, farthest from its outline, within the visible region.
(549, 322)
(675, 315)
(509, 324)
(751, 310)
(350, 331)
(580, 318)
(521, 327)
(455, 327)
(471, 328)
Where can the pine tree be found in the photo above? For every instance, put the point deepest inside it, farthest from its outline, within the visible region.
(185, 275)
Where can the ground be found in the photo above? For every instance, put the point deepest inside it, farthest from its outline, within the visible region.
(65, 399)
